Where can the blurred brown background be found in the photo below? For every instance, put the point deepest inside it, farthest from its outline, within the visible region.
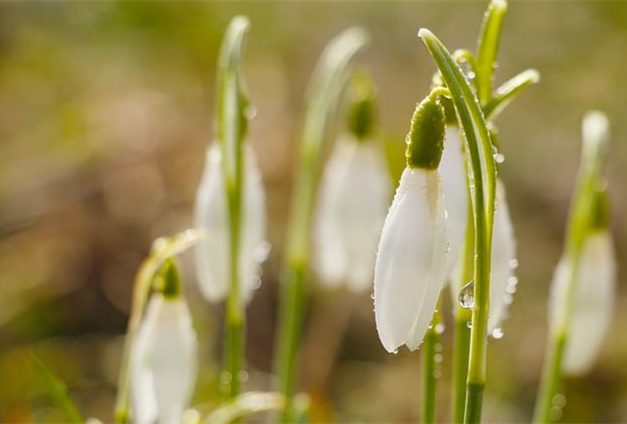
(106, 112)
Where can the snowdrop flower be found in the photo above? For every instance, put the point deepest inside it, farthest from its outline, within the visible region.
(452, 171)
(164, 358)
(593, 292)
(352, 200)
(211, 213)
(410, 266)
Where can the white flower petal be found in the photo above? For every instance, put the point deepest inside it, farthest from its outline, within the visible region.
(503, 261)
(404, 270)
(452, 172)
(166, 347)
(352, 204)
(213, 254)
(593, 302)
(254, 245)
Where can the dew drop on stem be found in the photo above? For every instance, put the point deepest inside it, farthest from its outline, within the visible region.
(467, 295)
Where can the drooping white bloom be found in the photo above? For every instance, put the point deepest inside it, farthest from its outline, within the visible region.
(163, 362)
(592, 301)
(352, 204)
(410, 266)
(452, 172)
(503, 261)
(211, 213)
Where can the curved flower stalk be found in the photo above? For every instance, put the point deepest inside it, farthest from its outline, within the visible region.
(164, 357)
(211, 213)
(593, 301)
(411, 259)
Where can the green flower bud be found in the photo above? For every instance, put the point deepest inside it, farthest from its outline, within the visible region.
(425, 140)
(168, 280)
(361, 108)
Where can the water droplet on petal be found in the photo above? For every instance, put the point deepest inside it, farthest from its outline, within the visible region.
(255, 282)
(499, 158)
(469, 324)
(498, 333)
(372, 296)
(261, 252)
(467, 295)
(513, 263)
(394, 352)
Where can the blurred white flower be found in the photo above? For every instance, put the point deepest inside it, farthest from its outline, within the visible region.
(411, 260)
(163, 362)
(211, 213)
(592, 302)
(352, 204)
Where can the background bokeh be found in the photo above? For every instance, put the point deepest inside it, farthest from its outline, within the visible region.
(105, 115)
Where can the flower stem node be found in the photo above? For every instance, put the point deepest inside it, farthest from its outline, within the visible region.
(425, 139)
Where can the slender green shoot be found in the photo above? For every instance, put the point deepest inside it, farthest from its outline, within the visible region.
(162, 249)
(431, 355)
(57, 390)
(583, 215)
(488, 49)
(328, 80)
(509, 91)
(463, 317)
(231, 123)
(483, 178)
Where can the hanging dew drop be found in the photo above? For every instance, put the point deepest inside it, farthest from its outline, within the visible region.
(497, 333)
(469, 324)
(467, 296)
(250, 112)
(499, 158)
(513, 263)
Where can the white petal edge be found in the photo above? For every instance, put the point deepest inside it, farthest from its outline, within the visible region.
(452, 172)
(593, 304)
(404, 262)
(211, 213)
(502, 281)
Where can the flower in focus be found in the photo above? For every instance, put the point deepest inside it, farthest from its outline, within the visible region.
(592, 302)
(410, 266)
(212, 213)
(164, 357)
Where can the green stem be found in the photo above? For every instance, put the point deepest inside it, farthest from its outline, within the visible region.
(328, 80)
(231, 126)
(461, 353)
(488, 48)
(483, 177)
(430, 368)
(462, 319)
(551, 380)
